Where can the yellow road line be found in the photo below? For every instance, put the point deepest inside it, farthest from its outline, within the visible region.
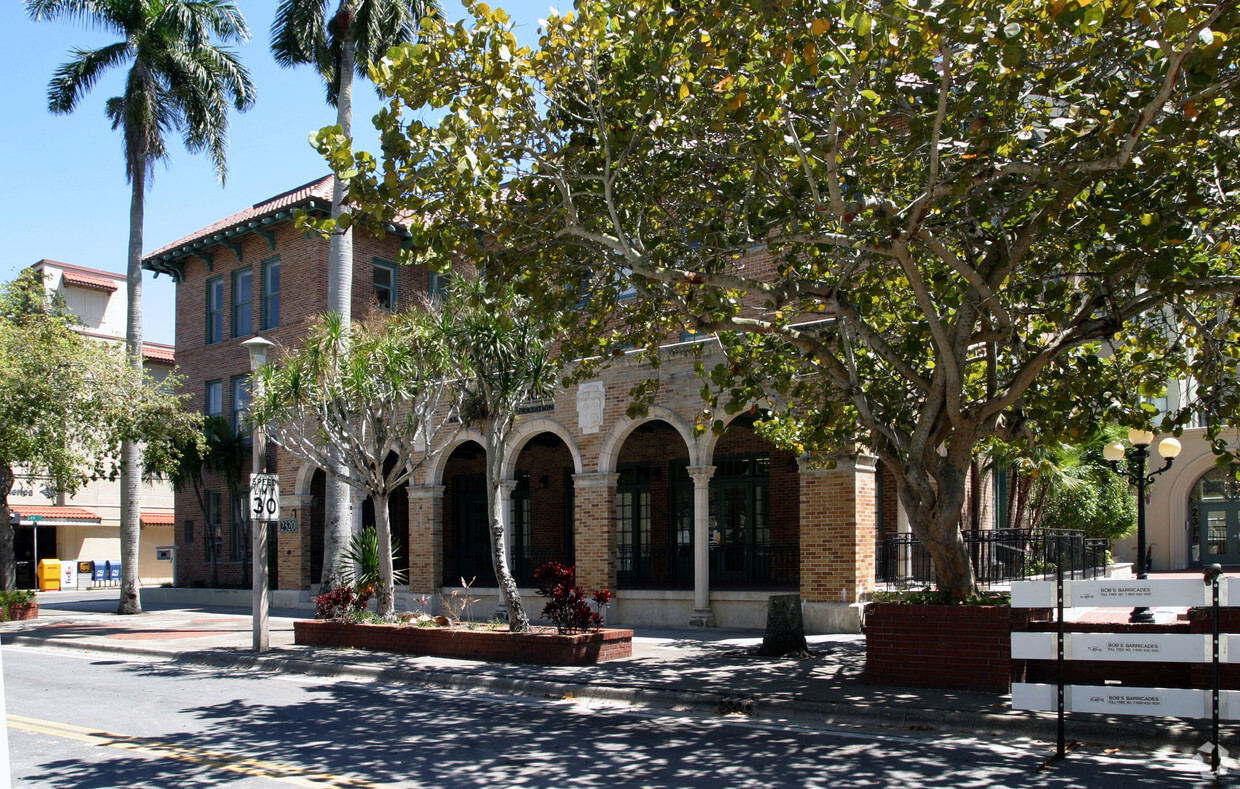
(284, 773)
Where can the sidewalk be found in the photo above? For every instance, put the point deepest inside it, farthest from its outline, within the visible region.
(686, 670)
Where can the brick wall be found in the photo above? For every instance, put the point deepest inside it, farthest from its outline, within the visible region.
(961, 647)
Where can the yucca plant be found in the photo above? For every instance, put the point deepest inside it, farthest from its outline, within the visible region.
(361, 570)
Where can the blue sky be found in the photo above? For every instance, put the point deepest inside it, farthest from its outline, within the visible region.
(67, 198)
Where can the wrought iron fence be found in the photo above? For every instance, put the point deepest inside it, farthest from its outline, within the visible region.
(997, 555)
(731, 566)
(478, 565)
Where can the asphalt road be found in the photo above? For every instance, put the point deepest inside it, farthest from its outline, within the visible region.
(78, 719)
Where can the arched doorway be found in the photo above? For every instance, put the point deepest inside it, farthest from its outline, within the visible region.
(542, 506)
(653, 512)
(466, 538)
(1214, 518)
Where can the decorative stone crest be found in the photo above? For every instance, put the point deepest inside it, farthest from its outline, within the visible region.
(590, 401)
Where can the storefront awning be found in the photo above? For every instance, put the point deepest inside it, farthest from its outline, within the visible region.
(30, 514)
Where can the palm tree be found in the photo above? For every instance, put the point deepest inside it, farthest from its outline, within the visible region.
(177, 79)
(219, 449)
(356, 36)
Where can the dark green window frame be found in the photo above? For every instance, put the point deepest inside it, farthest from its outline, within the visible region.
(271, 293)
(215, 310)
(243, 302)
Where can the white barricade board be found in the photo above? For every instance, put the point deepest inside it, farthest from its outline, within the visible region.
(1122, 593)
(1115, 700)
(1138, 648)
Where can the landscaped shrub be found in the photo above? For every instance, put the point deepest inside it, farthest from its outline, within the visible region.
(568, 607)
(341, 603)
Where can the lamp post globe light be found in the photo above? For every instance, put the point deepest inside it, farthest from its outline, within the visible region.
(1168, 449)
(258, 348)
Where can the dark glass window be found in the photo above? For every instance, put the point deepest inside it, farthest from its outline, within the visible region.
(215, 309)
(242, 302)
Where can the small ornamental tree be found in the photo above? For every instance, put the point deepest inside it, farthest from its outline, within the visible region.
(925, 225)
(366, 396)
(216, 449)
(501, 358)
(68, 403)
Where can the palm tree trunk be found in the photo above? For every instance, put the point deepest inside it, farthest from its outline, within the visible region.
(338, 522)
(386, 593)
(518, 620)
(131, 452)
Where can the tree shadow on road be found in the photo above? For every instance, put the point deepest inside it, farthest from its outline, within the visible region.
(365, 734)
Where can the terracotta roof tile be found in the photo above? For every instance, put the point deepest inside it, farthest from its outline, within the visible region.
(158, 353)
(320, 189)
(158, 519)
(87, 281)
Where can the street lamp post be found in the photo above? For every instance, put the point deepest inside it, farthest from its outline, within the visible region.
(258, 348)
(1114, 452)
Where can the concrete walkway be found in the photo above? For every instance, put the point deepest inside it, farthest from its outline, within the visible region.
(711, 671)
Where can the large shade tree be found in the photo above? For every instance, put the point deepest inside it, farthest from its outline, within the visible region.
(340, 47)
(373, 397)
(925, 224)
(177, 78)
(67, 403)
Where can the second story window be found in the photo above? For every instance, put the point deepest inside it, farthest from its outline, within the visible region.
(240, 400)
(439, 284)
(242, 302)
(385, 286)
(214, 405)
(215, 309)
(271, 294)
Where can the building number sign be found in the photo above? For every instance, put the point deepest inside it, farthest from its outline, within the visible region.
(264, 497)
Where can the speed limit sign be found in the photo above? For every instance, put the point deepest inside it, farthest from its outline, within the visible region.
(264, 497)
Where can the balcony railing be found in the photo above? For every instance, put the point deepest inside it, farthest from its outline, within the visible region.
(997, 555)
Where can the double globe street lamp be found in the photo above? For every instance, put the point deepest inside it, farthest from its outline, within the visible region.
(1169, 449)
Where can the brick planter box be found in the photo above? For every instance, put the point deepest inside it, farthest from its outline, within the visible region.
(959, 647)
(543, 648)
(20, 611)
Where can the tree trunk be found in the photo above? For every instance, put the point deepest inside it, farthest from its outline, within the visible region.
(338, 522)
(518, 620)
(8, 561)
(785, 627)
(934, 509)
(386, 593)
(131, 452)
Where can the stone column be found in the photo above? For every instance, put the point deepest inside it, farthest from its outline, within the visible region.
(425, 538)
(356, 500)
(594, 539)
(702, 615)
(837, 541)
(293, 549)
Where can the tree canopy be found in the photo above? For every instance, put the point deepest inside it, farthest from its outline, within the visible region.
(926, 224)
(68, 402)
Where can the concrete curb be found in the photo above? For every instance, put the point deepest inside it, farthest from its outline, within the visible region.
(1142, 733)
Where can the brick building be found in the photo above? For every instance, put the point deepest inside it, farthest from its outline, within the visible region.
(685, 529)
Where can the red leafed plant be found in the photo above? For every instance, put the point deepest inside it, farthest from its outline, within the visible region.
(568, 608)
(340, 603)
